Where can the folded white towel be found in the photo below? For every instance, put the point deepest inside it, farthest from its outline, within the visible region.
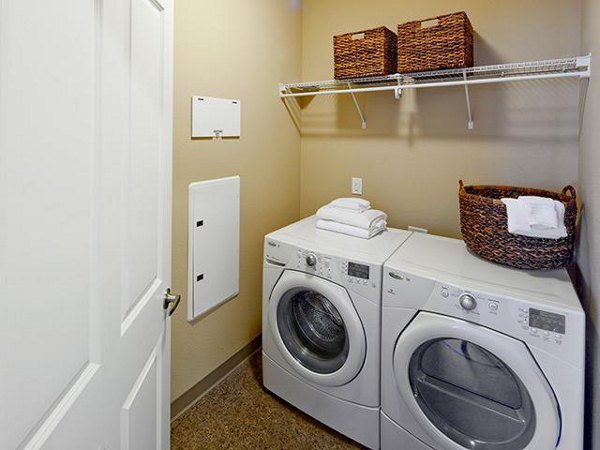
(364, 220)
(543, 214)
(342, 228)
(354, 204)
(531, 218)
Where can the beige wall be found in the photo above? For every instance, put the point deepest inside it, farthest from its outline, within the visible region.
(415, 150)
(233, 49)
(590, 188)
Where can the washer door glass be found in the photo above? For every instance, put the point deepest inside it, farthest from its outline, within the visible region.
(312, 330)
(471, 396)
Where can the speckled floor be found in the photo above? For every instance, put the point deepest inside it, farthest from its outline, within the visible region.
(240, 414)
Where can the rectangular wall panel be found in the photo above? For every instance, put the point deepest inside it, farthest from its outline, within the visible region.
(214, 244)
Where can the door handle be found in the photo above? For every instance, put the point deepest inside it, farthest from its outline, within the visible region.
(171, 299)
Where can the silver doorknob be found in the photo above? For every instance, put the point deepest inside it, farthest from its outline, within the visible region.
(311, 260)
(467, 301)
(171, 299)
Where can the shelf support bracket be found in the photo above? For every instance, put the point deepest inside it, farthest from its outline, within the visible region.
(470, 123)
(363, 122)
(398, 90)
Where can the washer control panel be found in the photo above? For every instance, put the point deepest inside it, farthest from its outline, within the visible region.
(313, 262)
(356, 273)
(351, 273)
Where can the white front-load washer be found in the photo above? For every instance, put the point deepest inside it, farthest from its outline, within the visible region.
(322, 324)
(476, 355)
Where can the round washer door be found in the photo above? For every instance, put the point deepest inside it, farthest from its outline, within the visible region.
(317, 328)
(472, 387)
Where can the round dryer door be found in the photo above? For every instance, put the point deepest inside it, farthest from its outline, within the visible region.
(317, 328)
(471, 387)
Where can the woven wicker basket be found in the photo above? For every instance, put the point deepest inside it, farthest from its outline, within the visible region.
(366, 53)
(443, 42)
(485, 231)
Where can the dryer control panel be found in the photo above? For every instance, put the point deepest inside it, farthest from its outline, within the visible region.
(547, 327)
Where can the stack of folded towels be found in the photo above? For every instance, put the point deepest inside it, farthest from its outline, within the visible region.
(352, 216)
(535, 217)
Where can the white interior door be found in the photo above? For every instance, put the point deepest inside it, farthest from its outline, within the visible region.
(85, 214)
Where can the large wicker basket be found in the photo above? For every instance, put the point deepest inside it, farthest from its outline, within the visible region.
(366, 53)
(485, 231)
(443, 42)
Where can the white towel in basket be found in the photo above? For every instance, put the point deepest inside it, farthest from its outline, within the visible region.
(532, 216)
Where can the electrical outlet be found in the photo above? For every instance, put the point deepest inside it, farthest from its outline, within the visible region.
(357, 186)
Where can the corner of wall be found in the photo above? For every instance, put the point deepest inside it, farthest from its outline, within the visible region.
(589, 255)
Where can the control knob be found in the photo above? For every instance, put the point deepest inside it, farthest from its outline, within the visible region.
(311, 260)
(467, 301)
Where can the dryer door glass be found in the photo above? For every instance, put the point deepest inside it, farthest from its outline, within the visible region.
(312, 330)
(471, 395)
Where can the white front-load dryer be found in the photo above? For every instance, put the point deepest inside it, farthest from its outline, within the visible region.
(322, 324)
(476, 355)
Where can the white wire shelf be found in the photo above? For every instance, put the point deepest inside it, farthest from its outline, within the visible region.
(575, 67)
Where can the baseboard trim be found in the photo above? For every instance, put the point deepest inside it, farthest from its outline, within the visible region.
(192, 395)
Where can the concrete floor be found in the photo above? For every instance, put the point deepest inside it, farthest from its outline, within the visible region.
(240, 414)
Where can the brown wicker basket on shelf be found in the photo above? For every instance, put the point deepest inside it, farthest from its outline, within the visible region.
(443, 42)
(366, 53)
(485, 230)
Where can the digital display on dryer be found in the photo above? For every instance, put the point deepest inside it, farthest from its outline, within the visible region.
(548, 321)
(358, 270)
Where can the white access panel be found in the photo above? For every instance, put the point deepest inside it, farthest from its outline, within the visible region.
(215, 117)
(214, 244)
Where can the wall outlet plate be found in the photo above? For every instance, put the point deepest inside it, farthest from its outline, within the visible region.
(357, 186)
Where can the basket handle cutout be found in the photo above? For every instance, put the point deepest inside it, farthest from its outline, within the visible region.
(358, 36)
(569, 190)
(430, 23)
